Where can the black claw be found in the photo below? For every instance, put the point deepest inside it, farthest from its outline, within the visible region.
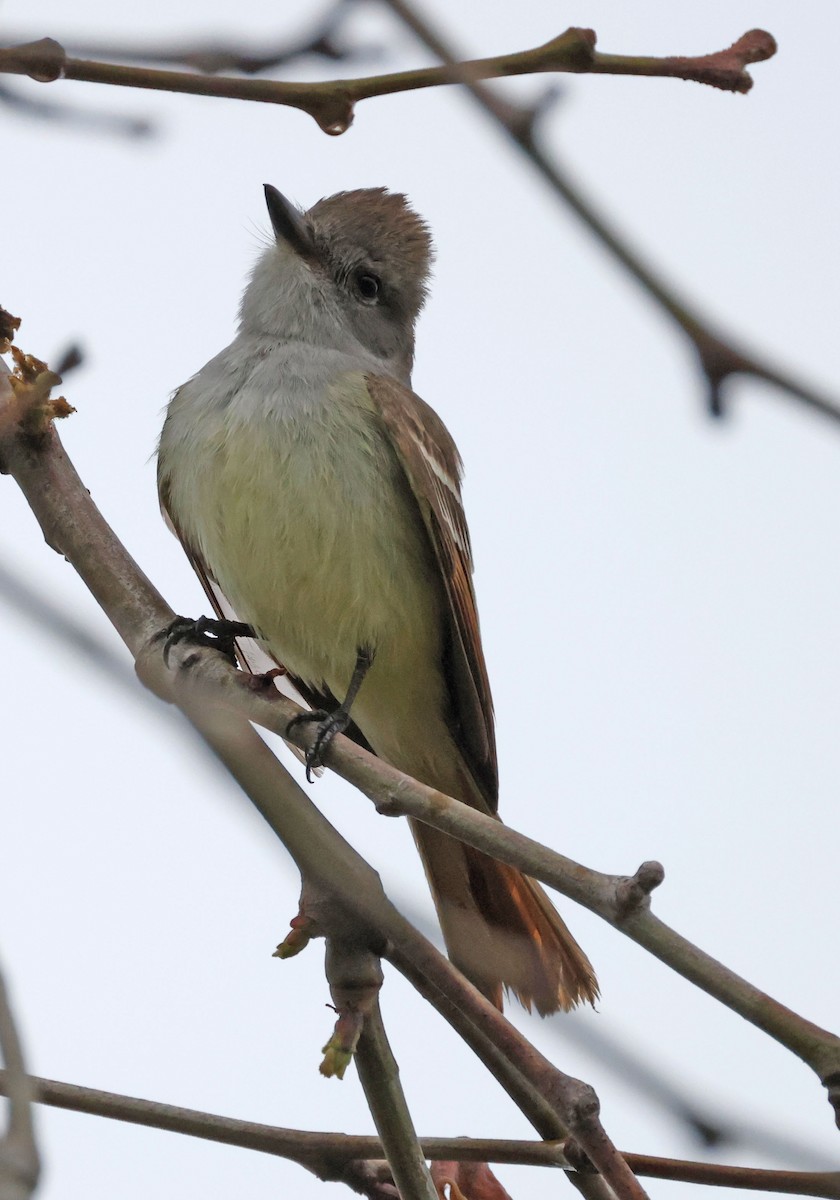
(206, 631)
(329, 724)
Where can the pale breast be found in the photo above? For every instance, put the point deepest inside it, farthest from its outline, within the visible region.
(295, 499)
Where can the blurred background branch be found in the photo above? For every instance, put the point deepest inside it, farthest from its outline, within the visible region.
(323, 41)
(719, 355)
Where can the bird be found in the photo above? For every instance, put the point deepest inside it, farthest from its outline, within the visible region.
(319, 500)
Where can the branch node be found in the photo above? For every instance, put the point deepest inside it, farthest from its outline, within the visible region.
(585, 1108)
(576, 1156)
(633, 893)
(388, 801)
(44, 60)
(355, 977)
(573, 50)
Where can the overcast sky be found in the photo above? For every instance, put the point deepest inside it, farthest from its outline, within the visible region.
(658, 593)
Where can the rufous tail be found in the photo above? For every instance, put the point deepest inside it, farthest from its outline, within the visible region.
(501, 929)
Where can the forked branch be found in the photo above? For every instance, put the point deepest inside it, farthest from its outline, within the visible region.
(360, 913)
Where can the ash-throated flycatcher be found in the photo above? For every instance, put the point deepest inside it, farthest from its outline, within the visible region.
(318, 499)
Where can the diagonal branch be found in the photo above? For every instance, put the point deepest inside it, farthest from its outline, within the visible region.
(708, 1127)
(355, 979)
(379, 1074)
(81, 118)
(621, 901)
(219, 701)
(359, 911)
(332, 103)
(212, 57)
(328, 1155)
(719, 355)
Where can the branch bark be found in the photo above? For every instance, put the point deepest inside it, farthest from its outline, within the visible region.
(379, 1074)
(332, 103)
(327, 1155)
(352, 904)
(624, 902)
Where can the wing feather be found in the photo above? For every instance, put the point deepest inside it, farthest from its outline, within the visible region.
(432, 467)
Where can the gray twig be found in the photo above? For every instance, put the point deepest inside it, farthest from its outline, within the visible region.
(332, 1156)
(719, 356)
(20, 1164)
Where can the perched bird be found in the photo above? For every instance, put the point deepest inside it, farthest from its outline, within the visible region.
(318, 499)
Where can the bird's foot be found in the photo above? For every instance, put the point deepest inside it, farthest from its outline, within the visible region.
(328, 725)
(206, 631)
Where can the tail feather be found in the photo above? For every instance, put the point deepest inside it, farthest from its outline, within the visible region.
(501, 929)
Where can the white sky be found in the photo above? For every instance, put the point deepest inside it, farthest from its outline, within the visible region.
(658, 594)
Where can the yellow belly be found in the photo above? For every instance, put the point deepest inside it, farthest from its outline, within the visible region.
(306, 521)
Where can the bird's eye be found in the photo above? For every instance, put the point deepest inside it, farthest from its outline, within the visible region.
(368, 285)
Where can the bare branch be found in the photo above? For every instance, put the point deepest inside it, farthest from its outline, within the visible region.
(726, 69)
(719, 355)
(359, 911)
(621, 901)
(379, 1074)
(210, 58)
(328, 1155)
(31, 451)
(81, 118)
(214, 56)
(332, 103)
(710, 1128)
(20, 1165)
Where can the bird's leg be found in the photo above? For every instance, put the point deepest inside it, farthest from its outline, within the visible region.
(329, 724)
(206, 631)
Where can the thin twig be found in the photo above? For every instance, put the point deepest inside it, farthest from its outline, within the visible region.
(332, 103)
(719, 355)
(20, 1165)
(710, 1128)
(211, 57)
(82, 118)
(379, 1074)
(325, 1154)
(623, 902)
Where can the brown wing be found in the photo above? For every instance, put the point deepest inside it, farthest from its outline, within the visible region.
(432, 466)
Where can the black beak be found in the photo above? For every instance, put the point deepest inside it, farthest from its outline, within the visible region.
(288, 223)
